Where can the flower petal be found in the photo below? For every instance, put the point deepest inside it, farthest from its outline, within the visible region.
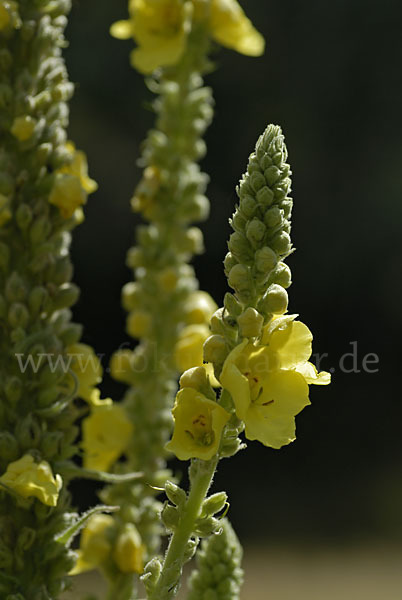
(311, 375)
(284, 393)
(275, 432)
(231, 28)
(293, 344)
(235, 382)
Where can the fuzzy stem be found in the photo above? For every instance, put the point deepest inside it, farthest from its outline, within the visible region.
(201, 475)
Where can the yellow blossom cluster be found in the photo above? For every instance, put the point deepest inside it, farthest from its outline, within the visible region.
(107, 430)
(31, 479)
(72, 184)
(98, 548)
(161, 27)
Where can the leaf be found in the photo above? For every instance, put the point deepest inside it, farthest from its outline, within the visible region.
(69, 534)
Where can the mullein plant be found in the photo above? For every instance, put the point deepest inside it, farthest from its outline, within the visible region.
(167, 313)
(44, 368)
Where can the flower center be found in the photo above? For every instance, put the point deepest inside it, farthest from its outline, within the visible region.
(201, 430)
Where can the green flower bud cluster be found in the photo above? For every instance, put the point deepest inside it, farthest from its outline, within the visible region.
(170, 196)
(37, 417)
(261, 241)
(218, 575)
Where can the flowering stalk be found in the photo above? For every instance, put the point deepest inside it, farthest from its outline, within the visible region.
(163, 299)
(259, 354)
(166, 313)
(43, 184)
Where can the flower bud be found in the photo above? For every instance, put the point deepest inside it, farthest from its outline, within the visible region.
(66, 296)
(199, 308)
(282, 275)
(265, 259)
(281, 243)
(215, 350)
(151, 574)
(274, 301)
(248, 206)
(206, 527)
(139, 323)
(214, 504)
(233, 307)
(273, 217)
(250, 323)
(272, 175)
(190, 549)
(131, 295)
(193, 241)
(229, 262)
(257, 181)
(175, 494)
(170, 517)
(255, 232)
(265, 197)
(23, 127)
(168, 279)
(197, 209)
(239, 246)
(238, 222)
(70, 334)
(135, 258)
(194, 378)
(287, 206)
(240, 279)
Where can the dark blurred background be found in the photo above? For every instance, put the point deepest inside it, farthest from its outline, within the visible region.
(331, 77)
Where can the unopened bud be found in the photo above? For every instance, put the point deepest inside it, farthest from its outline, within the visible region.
(206, 527)
(229, 262)
(265, 259)
(257, 181)
(15, 288)
(250, 323)
(138, 323)
(255, 232)
(281, 243)
(170, 517)
(233, 307)
(265, 197)
(272, 175)
(248, 206)
(282, 275)
(18, 315)
(131, 295)
(214, 504)
(66, 296)
(273, 217)
(240, 279)
(215, 350)
(175, 494)
(275, 300)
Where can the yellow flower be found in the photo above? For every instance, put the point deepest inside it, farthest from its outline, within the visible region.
(86, 367)
(199, 423)
(23, 127)
(129, 551)
(31, 479)
(230, 27)
(5, 212)
(68, 194)
(94, 545)
(72, 185)
(79, 168)
(269, 382)
(160, 28)
(188, 351)
(199, 308)
(106, 434)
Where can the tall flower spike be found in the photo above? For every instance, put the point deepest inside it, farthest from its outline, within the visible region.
(43, 186)
(263, 354)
